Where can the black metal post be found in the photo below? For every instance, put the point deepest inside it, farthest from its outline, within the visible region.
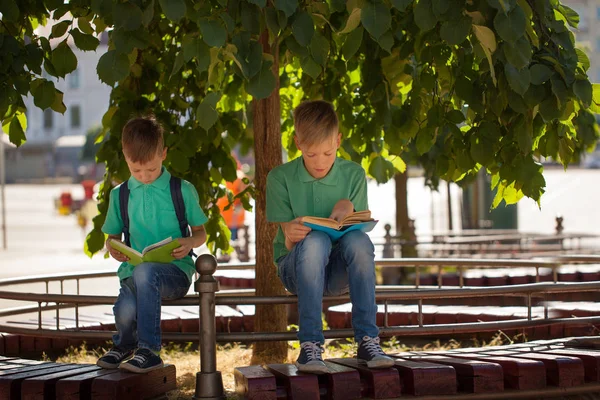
(209, 382)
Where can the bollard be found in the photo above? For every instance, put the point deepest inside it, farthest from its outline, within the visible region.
(388, 246)
(209, 382)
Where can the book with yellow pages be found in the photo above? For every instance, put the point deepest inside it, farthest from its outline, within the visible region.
(159, 252)
(359, 220)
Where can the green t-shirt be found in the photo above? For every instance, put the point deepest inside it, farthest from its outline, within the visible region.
(152, 217)
(292, 192)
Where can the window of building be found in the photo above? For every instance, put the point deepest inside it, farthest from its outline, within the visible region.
(75, 116)
(48, 118)
(597, 13)
(74, 79)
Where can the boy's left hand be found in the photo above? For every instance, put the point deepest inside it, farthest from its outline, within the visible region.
(187, 244)
(341, 209)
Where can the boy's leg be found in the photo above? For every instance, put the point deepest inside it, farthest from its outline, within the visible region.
(125, 340)
(154, 282)
(302, 272)
(353, 265)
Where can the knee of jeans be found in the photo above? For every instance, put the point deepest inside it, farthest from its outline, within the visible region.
(357, 242)
(125, 311)
(143, 273)
(316, 243)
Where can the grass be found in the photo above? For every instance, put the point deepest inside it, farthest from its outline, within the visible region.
(186, 358)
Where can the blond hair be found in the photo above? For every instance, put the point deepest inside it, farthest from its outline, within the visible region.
(142, 139)
(315, 122)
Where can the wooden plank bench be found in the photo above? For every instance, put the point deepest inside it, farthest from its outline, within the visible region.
(380, 383)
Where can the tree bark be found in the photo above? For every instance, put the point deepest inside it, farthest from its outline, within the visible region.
(267, 153)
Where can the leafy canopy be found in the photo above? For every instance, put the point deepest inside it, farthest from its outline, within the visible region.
(456, 85)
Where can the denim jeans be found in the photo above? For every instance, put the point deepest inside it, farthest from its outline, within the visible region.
(137, 309)
(315, 267)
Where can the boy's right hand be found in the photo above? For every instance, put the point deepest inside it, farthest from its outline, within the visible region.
(294, 231)
(117, 255)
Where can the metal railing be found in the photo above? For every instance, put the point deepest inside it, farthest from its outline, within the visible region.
(209, 382)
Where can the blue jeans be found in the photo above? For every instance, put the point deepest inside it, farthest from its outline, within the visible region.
(316, 267)
(137, 309)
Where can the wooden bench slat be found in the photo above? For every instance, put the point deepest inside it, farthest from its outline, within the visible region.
(421, 378)
(127, 385)
(255, 383)
(79, 387)
(342, 383)
(299, 386)
(381, 383)
(10, 385)
(43, 387)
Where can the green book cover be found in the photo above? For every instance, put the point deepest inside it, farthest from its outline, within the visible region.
(159, 252)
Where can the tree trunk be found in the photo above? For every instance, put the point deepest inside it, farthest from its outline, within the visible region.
(267, 153)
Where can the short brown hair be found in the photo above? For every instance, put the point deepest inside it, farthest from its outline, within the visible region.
(142, 139)
(315, 122)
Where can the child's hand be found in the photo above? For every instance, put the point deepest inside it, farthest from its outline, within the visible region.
(342, 209)
(187, 244)
(117, 255)
(294, 231)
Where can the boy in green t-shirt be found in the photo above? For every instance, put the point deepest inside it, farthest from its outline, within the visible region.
(308, 263)
(152, 218)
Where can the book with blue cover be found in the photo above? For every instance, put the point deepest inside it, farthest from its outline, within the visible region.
(360, 220)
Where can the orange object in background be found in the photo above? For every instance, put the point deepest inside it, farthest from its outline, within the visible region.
(88, 188)
(235, 215)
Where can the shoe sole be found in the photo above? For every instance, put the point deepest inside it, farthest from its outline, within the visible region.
(106, 365)
(378, 364)
(137, 370)
(311, 369)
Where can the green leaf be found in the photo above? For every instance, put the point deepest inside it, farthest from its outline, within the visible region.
(59, 29)
(84, 41)
(319, 49)
(560, 91)
(376, 19)
(251, 18)
(540, 73)
(263, 83)
(112, 67)
(179, 61)
(303, 28)
(502, 5)
(425, 139)
(260, 3)
(127, 16)
(424, 16)
(455, 116)
(58, 105)
(386, 41)
(213, 33)
(524, 133)
(148, 14)
(571, 16)
(353, 21)
(518, 80)
(455, 31)
(549, 109)
(179, 161)
(63, 59)
(310, 67)
(16, 131)
(10, 10)
(440, 7)
(287, 6)
(583, 90)
(272, 21)
(381, 169)
(43, 92)
(402, 5)
(482, 143)
(352, 43)
(206, 114)
(583, 59)
(518, 53)
(511, 26)
(173, 9)
(84, 25)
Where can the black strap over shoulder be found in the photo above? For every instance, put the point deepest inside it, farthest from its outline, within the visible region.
(178, 204)
(124, 204)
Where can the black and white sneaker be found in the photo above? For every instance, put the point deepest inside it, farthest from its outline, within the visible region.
(370, 352)
(143, 360)
(113, 358)
(310, 359)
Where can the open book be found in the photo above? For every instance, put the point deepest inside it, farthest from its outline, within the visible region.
(360, 220)
(159, 252)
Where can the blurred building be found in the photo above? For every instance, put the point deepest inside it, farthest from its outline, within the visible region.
(86, 99)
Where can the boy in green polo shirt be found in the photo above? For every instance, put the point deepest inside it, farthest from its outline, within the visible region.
(152, 218)
(308, 263)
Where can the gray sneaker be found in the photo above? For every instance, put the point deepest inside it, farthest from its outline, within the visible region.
(310, 359)
(370, 352)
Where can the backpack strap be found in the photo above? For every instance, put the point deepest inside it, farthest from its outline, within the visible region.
(123, 205)
(179, 205)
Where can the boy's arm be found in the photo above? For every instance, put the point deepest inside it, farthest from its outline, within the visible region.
(294, 232)
(117, 255)
(113, 225)
(197, 239)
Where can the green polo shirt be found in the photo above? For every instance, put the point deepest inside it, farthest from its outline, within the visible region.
(152, 217)
(292, 192)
